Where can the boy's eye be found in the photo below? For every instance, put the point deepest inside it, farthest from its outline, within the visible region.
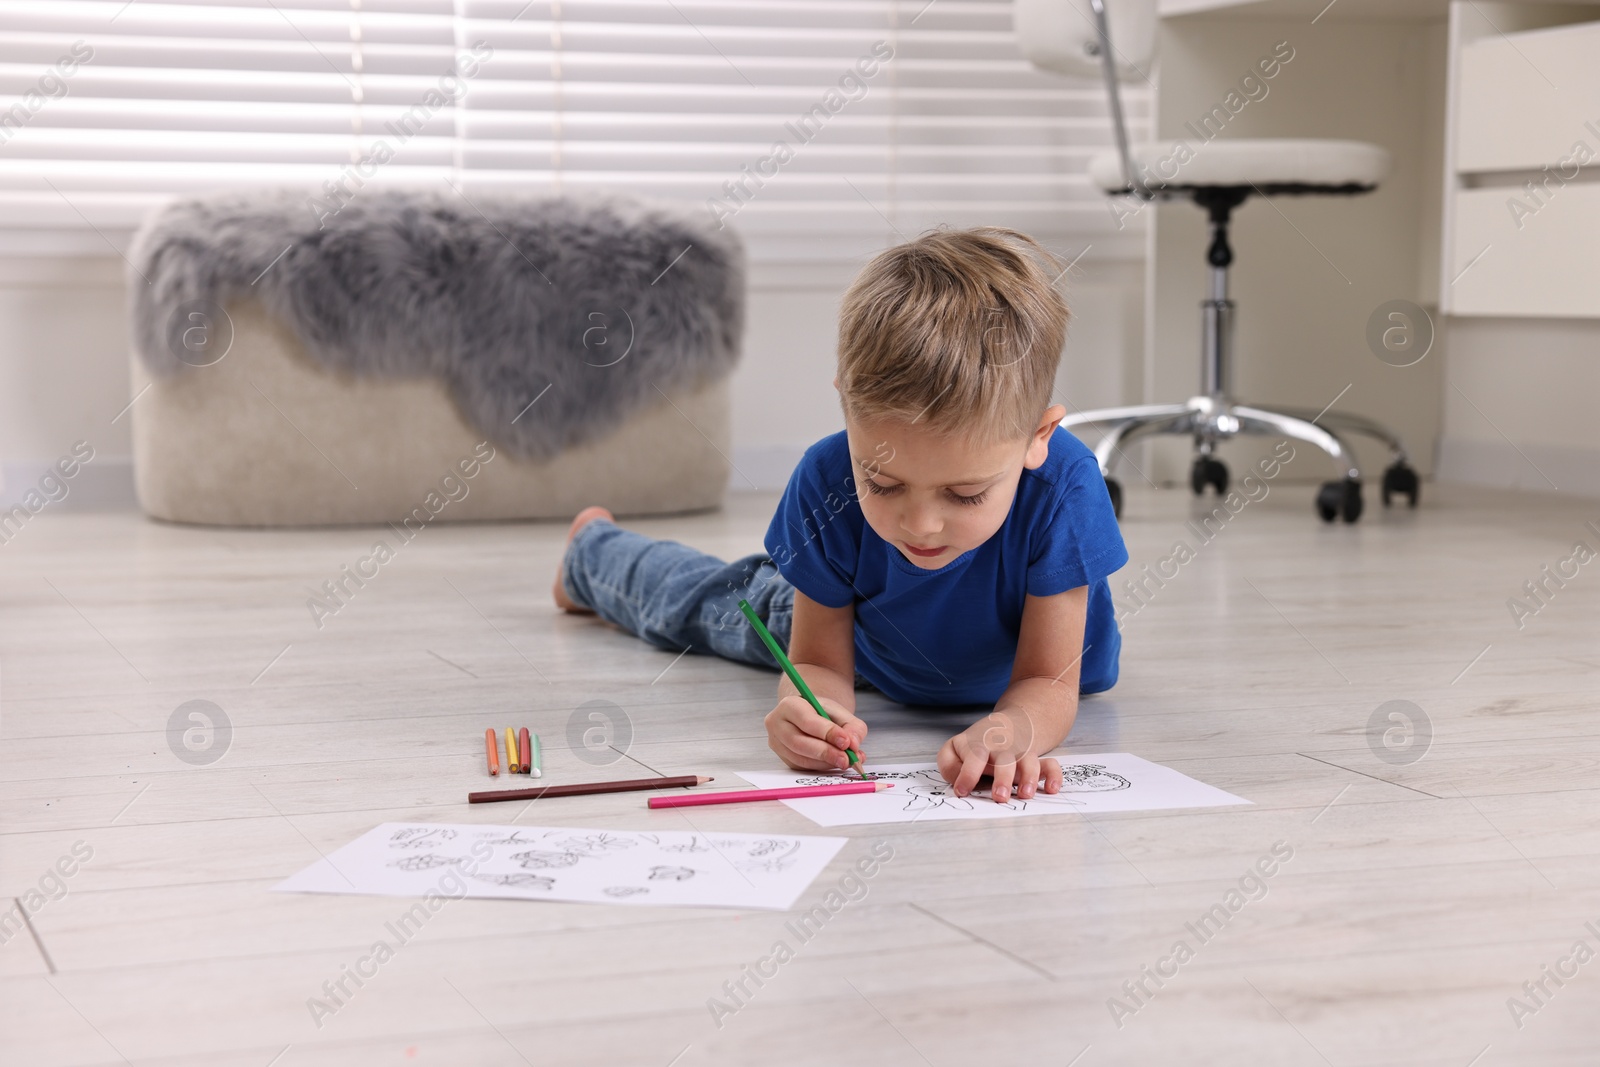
(888, 490)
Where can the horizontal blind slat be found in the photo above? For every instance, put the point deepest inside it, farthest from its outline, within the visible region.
(676, 99)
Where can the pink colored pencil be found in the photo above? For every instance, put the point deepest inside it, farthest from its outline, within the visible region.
(740, 796)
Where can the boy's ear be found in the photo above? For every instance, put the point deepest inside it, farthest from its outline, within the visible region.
(1039, 443)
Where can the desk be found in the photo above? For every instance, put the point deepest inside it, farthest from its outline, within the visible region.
(1310, 271)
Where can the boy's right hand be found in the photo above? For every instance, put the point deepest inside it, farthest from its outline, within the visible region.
(807, 742)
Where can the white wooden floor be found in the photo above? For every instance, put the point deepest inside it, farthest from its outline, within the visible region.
(1420, 896)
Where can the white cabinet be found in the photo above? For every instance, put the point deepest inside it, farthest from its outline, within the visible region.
(1522, 183)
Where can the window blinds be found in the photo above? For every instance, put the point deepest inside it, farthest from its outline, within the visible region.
(819, 128)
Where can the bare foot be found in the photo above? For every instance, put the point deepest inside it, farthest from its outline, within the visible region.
(582, 519)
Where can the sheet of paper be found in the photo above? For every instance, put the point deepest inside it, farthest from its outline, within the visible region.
(1104, 781)
(664, 868)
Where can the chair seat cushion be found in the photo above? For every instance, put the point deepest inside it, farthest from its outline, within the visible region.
(1283, 165)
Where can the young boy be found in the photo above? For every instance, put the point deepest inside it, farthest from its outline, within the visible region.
(950, 547)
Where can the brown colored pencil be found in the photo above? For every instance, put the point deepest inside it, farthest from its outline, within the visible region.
(525, 750)
(585, 789)
(494, 751)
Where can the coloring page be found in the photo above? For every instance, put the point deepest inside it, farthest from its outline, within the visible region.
(1106, 781)
(664, 868)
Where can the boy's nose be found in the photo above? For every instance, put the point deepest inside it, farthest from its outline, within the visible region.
(921, 521)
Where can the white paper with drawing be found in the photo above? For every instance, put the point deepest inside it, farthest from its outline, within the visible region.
(1104, 781)
(666, 867)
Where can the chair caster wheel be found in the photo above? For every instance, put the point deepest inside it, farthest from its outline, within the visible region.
(1401, 480)
(1340, 499)
(1114, 491)
(1207, 471)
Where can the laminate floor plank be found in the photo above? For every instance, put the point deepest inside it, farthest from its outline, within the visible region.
(1432, 875)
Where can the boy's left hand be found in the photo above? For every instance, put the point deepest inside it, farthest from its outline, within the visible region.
(1001, 745)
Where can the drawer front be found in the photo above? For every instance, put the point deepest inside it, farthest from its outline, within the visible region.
(1530, 259)
(1527, 98)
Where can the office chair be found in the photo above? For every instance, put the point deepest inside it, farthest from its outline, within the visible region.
(1074, 37)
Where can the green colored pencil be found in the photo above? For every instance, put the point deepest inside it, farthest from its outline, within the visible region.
(794, 676)
(538, 758)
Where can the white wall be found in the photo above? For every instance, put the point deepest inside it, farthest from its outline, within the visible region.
(1534, 385)
(63, 375)
(64, 378)
(1309, 271)
(783, 392)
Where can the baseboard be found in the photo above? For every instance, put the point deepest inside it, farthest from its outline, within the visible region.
(103, 484)
(106, 483)
(1502, 465)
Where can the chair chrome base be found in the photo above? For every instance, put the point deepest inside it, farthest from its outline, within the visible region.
(1210, 419)
(1214, 416)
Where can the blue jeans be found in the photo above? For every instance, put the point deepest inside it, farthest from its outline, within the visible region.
(676, 597)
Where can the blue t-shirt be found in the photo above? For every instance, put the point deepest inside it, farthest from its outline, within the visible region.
(949, 636)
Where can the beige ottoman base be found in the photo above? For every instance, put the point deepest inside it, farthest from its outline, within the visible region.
(264, 437)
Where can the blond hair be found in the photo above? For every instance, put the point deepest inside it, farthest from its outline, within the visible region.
(958, 330)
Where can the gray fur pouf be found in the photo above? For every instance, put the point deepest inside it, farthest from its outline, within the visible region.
(586, 307)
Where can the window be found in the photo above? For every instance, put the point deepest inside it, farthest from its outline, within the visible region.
(820, 128)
